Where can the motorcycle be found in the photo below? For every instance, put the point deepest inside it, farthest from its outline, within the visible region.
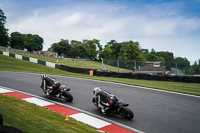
(119, 108)
(61, 93)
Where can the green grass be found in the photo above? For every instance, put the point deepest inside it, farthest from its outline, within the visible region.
(31, 118)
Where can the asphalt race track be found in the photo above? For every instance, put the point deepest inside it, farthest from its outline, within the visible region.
(155, 111)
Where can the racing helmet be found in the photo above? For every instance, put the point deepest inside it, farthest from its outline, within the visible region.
(96, 90)
(43, 76)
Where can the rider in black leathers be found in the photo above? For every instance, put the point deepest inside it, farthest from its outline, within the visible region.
(50, 83)
(103, 99)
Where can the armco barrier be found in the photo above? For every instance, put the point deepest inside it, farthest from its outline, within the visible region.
(49, 64)
(187, 79)
(76, 70)
(5, 53)
(34, 60)
(25, 58)
(41, 62)
(18, 56)
(57, 66)
(12, 55)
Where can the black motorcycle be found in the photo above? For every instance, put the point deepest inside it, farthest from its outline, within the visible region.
(119, 108)
(61, 93)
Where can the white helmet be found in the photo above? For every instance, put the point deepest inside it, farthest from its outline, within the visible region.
(96, 90)
(43, 76)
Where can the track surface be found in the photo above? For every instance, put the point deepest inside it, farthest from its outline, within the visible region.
(155, 111)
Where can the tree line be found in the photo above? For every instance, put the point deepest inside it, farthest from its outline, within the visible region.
(126, 52)
(76, 49)
(26, 41)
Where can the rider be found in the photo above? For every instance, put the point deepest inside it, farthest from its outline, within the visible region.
(103, 99)
(51, 83)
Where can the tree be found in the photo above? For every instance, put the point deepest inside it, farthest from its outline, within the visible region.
(145, 51)
(153, 51)
(106, 53)
(33, 42)
(195, 68)
(62, 47)
(151, 57)
(169, 59)
(3, 31)
(115, 47)
(78, 50)
(53, 47)
(182, 63)
(130, 51)
(91, 46)
(16, 40)
(75, 42)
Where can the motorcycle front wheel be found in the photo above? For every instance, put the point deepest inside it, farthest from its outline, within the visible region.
(126, 113)
(68, 96)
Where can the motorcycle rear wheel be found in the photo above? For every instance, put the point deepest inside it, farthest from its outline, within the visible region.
(126, 113)
(68, 96)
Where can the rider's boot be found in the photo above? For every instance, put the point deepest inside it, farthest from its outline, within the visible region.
(103, 111)
(58, 95)
(48, 92)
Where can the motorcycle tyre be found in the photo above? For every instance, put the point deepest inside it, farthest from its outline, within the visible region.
(127, 113)
(68, 96)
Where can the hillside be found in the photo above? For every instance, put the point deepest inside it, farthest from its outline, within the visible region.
(72, 62)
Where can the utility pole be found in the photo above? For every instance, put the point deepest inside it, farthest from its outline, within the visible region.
(103, 67)
(199, 66)
(118, 65)
(135, 66)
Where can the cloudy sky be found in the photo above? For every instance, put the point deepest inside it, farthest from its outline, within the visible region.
(164, 25)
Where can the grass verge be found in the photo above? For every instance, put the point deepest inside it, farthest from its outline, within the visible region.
(31, 118)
